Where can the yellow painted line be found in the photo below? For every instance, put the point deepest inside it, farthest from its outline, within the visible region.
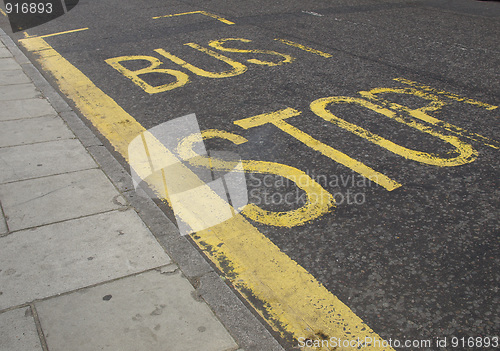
(422, 113)
(3, 13)
(305, 48)
(219, 45)
(318, 200)
(277, 118)
(60, 33)
(445, 93)
(181, 78)
(293, 302)
(205, 13)
(237, 68)
(26, 35)
(466, 153)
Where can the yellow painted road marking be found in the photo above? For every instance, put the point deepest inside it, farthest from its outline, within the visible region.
(196, 205)
(26, 35)
(219, 45)
(181, 78)
(278, 119)
(237, 68)
(205, 13)
(466, 153)
(65, 32)
(305, 48)
(445, 93)
(285, 294)
(318, 200)
(421, 113)
(3, 13)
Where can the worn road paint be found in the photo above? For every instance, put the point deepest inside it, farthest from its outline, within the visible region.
(219, 45)
(277, 118)
(293, 302)
(466, 153)
(447, 94)
(421, 113)
(218, 18)
(195, 203)
(319, 201)
(237, 68)
(3, 13)
(303, 47)
(65, 32)
(181, 78)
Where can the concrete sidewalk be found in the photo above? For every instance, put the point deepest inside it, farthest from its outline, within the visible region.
(79, 267)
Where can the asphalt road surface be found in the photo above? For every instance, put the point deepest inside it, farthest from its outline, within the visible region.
(390, 106)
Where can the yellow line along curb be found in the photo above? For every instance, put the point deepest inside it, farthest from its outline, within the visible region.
(289, 298)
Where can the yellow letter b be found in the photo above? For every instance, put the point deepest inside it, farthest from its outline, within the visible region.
(181, 78)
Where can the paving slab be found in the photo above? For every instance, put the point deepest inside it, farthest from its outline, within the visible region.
(34, 202)
(22, 91)
(43, 159)
(18, 331)
(8, 64)
(28, 108)
(66, 256)
(33, 130)
(4, 52)
(150, 311)
(13, 77)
